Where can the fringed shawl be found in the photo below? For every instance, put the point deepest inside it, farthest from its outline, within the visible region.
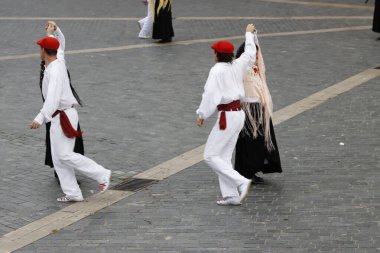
(255, 85)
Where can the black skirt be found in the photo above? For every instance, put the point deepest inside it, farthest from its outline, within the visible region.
(376, 17)
(162, 26)
(78, 148)
(252, 155)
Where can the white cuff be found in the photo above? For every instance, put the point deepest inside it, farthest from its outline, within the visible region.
(40, 118)
(200, 115)
(57, 32)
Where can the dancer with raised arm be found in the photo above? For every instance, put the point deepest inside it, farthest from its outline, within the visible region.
(55, 31)
(58, 109)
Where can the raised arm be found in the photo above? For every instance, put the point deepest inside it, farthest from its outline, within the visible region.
(54, 31)
(61, 38)
(249, 55)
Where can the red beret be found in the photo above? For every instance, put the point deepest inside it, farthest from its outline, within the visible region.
(223, 46)
(49, 43)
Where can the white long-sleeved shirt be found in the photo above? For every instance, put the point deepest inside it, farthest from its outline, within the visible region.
(56, 85)
(62, 44)
(225, 81)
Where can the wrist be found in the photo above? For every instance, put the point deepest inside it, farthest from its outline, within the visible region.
(39, 119)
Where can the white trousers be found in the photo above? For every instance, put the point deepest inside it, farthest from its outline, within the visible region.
(147, 23)
(66, 161)
(218, 153)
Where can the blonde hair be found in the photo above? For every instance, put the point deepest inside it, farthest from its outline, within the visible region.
(162, 4)
(259, 87)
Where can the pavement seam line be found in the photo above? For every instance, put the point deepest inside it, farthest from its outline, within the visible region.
(185, 42)
(321, 4)
(277, 18)
(73, 213)
(322, 96)
(54, 222)
(182, 18)
(194, 156)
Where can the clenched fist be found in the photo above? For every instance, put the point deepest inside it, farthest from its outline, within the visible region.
(200, 122)
(35, 125)
(50, 27)
(251, 28)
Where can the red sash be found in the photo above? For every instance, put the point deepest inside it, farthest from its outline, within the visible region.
(223, 108)
(67, 128)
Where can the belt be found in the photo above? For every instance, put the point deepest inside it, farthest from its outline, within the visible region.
(67, 128)
(223, 108)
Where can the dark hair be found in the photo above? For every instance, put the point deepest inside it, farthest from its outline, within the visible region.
(50, 52)
(225, 57)
(241, 50)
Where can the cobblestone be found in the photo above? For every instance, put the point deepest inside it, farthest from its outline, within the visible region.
(324, 202)
(327, 199)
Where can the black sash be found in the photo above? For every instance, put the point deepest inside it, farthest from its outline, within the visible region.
(79, 147)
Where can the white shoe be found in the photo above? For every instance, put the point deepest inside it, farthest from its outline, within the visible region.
(140, 23)
(105, 184)
(70, 199)
(244, 189)
(229, 201)
(144, 37)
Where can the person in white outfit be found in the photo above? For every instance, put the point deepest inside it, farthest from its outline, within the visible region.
(223, 91)
(79, 145)
(146, 24)
(58, 109)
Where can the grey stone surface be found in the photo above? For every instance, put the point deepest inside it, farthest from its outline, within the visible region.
(326, 201)
(131, 8)
(139, 112)
(99, 34)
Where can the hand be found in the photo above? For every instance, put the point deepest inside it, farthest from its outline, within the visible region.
(200, 122)
(53, 23)
(50, 27)
(250, 28)
(145, 2)
(34, 125)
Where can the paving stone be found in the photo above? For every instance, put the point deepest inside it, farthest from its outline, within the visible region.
(318, 219)
(327, 199)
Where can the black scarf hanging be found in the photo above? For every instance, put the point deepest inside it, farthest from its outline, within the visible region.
(79, 146)
(42, 71)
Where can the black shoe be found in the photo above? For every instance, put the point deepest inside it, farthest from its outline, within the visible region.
(165, 41)
(257, 180)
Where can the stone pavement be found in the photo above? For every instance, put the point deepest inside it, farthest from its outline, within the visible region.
(326, 200)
